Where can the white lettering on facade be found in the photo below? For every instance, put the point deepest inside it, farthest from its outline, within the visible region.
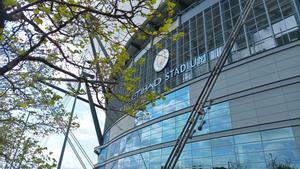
(188, 66)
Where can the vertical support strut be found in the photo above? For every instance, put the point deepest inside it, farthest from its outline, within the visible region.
(197, 112)
(68, 129)
(93, 110)
(94, 115)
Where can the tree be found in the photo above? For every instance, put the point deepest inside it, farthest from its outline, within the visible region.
(27, 112)
(274, 163)
(42, 39)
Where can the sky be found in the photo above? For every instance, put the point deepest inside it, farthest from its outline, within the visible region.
(85, 134)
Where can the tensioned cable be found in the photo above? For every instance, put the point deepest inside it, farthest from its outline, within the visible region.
(68, 128)
(76, 153)
(81, 149)
(66, 101)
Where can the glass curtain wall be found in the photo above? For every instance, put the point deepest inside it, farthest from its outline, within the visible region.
(271, 23)
(217, 119)
(257, 150)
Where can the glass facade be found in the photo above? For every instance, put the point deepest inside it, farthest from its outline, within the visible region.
(271, 23)
(217, 119)
(172, 102)
(257, 150)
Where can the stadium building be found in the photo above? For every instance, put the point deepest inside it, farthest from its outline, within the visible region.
(253, 112)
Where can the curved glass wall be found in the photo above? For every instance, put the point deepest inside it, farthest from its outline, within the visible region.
(217, 119)
(258, 150)
(174, 101)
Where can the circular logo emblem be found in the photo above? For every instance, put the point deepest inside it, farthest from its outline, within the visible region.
(161, 60)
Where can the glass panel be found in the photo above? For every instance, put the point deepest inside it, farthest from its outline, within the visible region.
(280, 144)
(245, 138)
(277, 134)
(202, 162)
(220, 127)
(202, 144)
(224, 150)
(176, 100)
(282, 156)
(197, 153)
(249, 147)
(248, 154)
(220, 161)
(251, 157)
(222, 141)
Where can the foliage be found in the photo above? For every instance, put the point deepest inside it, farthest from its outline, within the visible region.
(21, 151)
(42, 39)
(274, 163)
(28, 111)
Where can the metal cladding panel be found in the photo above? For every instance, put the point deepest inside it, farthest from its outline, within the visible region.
(111, 118)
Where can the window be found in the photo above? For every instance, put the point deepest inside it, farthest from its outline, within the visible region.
(277, 134)
(270, 23)
(174, 101)
(247, 138)
(239, 151)
(169, 129)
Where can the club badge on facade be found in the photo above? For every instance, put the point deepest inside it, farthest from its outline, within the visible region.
(161, 60)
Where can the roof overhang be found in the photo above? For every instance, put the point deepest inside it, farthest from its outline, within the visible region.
(136, 44)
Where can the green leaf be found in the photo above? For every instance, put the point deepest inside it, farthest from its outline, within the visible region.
(153, 1)
(36, 11)
(46, 10)
(56, 17)
(1, 35)
(123, 27)
(63, 10)
(10, 2)
(52, 102)
(38, 20)
(23, 105)
(141, 61)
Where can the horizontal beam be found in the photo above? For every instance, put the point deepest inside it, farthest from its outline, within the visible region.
(76, 80)
(68, 93)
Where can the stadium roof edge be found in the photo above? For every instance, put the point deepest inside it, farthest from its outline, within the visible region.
(135, 44)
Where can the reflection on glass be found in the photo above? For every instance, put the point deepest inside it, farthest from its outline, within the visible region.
(251, 157)
(276, 134)
(279, 144)
(249, 147)
(246, 138)
(174, 101)
(169, 129)
(233, 152)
